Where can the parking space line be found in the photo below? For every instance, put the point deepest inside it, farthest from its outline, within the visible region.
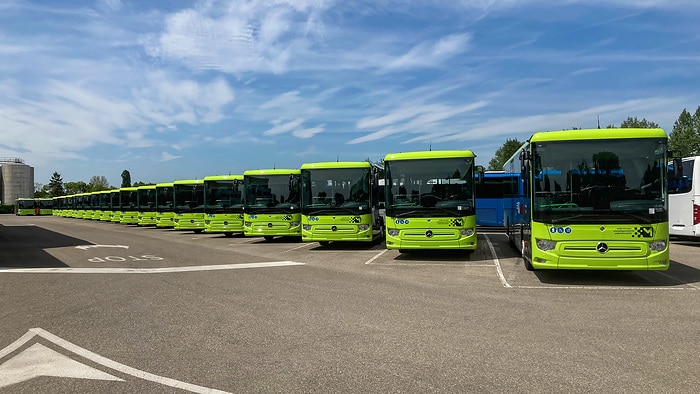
(304, 245)
(376, 256)
(499, 271)
(194, 268)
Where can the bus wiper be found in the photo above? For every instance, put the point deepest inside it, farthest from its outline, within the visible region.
(637, 217)
(569, 218)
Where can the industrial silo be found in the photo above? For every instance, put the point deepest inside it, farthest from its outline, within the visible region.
(16, 180)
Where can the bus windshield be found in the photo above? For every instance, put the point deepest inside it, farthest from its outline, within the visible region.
(188, 198)
(618, 181)
(278, 191)
(224, 195)
(335, 190)
(164, 199)
(430, 187)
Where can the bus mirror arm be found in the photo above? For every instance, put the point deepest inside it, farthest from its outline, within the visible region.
(480, 174)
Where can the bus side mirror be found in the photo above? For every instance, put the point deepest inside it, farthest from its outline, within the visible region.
(677, 168)
(524, 161)
(480, 174)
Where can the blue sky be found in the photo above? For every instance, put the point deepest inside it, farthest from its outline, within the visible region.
(184, 89)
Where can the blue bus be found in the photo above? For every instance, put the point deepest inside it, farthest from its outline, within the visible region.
(489, 198)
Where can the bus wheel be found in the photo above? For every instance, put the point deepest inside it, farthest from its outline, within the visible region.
(528, 265)
(228, 235)
(324, 243)
(403, 251)
(268, 237)
(197, 231)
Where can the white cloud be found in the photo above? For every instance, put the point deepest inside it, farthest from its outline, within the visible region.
(281, 128)
(165, 156)
(308, 133)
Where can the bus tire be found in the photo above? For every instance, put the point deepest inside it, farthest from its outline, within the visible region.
(228, 235)
(269, 237)
(324, 243)
(197, 231)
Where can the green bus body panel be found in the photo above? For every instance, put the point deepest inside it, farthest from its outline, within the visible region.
(445, 233)
(223, 178)
(339, 226)
(164, 219)
(595, 134)
(335, 165)
(576, 246)
(189, 182)
(432, 232)
(343, 227)
(147, 218)
(435, 154)
(275, 171)
(189, 221)
(223, 222)
(272, 224)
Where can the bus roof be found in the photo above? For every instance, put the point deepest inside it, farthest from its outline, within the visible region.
(188, 182)
(165, 184)
(274, 171)
(336, 164)
(146, 187)
(223, 177)
(431, 154)
(128, 189)
(596, 134)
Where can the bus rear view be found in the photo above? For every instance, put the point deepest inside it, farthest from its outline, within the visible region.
(430, 200)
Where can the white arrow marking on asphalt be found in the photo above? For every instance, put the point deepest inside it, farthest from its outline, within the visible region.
(38, 357)
(86, 247)
(193, 268)
(38, 360)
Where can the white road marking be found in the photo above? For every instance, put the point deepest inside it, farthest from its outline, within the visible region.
(195, 268)
(304, 245)
(86, 247)
(38, 360)
(376, 256)
(502, 278)
(96, 358)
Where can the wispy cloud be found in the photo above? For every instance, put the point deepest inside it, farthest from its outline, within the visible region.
(165, 156)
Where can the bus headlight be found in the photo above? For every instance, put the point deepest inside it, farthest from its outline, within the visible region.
(657, 246)
(466, 232)
(306, 227)
(545, 245)
(294, 224)
(393, 232)
(363, 227)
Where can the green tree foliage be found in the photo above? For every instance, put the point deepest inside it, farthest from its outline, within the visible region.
(76, 187)
(504, 153)
(126, 178)
(634, 123)
(56, 185)
(98, 183)
(684, 139)
(41, 191)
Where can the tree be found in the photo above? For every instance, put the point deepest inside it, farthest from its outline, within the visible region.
(76, 187)
(634, 123)
(126, 178)
(504, 153)
(684, 139)
(98, 183)
(56, 185)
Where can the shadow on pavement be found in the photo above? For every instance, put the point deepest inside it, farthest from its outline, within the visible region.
(25, 247)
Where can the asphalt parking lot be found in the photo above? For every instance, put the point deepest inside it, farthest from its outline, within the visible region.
(103, 307)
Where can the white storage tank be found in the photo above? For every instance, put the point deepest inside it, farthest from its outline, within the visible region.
(16, 180)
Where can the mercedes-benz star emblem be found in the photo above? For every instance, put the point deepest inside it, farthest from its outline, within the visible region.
(602, 247)
(429, 233)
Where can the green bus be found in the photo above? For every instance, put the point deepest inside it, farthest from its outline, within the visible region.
(115, 205)
(26, 207)
(92, 207)
(223, 199)
(271, 205)
(590, 199)
(164, 205)
(430, 200)
(82, 204)
(45, 206)
(128, 205)
(146, 200)
(340, 201)
(58, 205)
(189, 204)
